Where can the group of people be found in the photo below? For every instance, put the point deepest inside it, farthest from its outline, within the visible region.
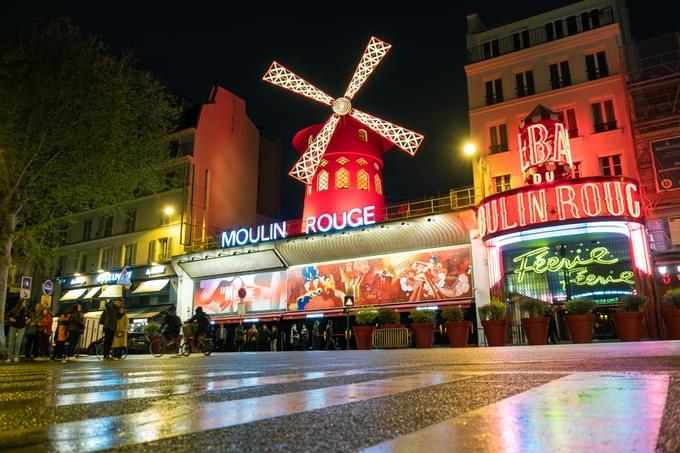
(36, 326)
(115, 323)
(306, 339)
(299, 339)
(254, 339)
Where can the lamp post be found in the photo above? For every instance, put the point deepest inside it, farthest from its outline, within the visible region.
(347, 304)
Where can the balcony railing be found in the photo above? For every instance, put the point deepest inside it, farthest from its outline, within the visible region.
(540, 35)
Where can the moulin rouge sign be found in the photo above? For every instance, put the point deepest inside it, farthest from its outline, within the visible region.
(550, 194)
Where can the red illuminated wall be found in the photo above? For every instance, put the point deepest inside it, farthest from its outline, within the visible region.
(347, 143)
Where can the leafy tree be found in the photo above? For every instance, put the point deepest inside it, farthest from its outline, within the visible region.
(80, 128)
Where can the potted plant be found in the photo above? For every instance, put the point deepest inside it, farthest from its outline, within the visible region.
(493, 320)
(628, 321)
(535, 325)
(457, 329)
(153, 330)
(670, 313)
(423, 327)
(389, 318)
(580, 320)
(363, 331)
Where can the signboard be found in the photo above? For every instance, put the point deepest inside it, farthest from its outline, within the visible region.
(545, 153)
(46, 301)
(265, 291)
(47, 287)
(583, 199)
(400, 277)
(26, 283)
(666, 158)
(124, 278)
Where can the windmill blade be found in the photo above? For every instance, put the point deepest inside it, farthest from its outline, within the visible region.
(282, 77)
(404, 138)
(374, 53)
(306, 166)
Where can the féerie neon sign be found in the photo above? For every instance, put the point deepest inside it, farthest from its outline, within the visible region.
(537, 261)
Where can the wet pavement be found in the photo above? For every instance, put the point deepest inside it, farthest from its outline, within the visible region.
(600, 397)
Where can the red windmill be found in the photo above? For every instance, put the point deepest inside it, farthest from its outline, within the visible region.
(341, 162)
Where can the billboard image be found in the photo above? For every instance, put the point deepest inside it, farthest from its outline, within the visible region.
(666, 154)
(265, 291)
(400, 277)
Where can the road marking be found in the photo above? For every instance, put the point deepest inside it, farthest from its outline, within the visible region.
(580, 412)
(145, 379)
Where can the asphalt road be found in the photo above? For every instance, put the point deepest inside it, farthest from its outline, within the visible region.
(601, 397)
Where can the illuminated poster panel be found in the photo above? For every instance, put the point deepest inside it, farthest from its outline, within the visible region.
(401, 277)
(265, 291)
(597, 267)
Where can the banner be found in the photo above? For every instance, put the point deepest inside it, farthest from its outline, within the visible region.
(401, 277)
(265, 291)
(666, 157)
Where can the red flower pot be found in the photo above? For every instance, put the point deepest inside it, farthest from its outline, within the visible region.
(536, 329)
(424, 333)
(628, 325)
(671, 318)
(363, 336)
(581, 328)
(458, 332)
(496, 331)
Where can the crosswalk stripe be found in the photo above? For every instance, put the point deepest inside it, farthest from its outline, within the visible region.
(579, 412)
(159, 422)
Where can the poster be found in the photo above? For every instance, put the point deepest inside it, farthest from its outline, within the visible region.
(666, 156)
(265, 291)
(400, 277)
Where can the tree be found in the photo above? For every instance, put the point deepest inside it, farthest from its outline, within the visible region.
(80, 128)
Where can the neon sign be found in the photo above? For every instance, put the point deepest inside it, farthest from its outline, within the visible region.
(352, 218)
(588, 198)
(107, 277)
(537, 261)
(253, 235)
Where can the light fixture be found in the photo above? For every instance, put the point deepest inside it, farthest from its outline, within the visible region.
(168, 210)
(469, 148)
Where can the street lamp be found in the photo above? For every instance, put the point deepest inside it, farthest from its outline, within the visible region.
(470, 150)
(347, 304)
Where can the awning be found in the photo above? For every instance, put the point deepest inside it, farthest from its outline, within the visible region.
(151, 286)
(72, 294)
(314, 314)
(93, 314)
(147, 312)
(112, 292)
(249, 318)
(91, 293)
(231, 264)
(335, 312)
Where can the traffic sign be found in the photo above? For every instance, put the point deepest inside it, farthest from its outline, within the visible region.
(47, 287)
(124, 278)
(26, 282)
(46, 301)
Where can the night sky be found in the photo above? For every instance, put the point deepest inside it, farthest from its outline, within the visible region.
(419, 85)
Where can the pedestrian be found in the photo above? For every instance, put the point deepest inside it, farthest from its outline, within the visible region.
(330, 341)
(120, 338)
(316, 334)
(108, 321)
(263, 339)
(294, 338)
(251, 338)
(45, 334)
(76, 327)
(17, 327)
(273, 338)
(304, 338)
(239, 338)
(33, 326)
(60, 338)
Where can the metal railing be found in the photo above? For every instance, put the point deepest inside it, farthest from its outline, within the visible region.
(391, 338)
(539, 35)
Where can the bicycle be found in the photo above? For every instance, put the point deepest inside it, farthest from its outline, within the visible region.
(99, 350)
(161, 345)
(202, 344)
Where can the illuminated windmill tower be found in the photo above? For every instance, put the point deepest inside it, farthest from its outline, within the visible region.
(341, 162)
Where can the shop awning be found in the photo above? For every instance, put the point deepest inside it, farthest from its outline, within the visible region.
(151, 286)
(112, 292)
(92, 291)
(235, 262)
(146, 312)
(72, 294)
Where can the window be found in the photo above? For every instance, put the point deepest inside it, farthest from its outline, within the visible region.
(151, 257)
(596, 65)
(361, 161)
(106, 226)
(63, 262)
(130, 220)
(603, 121)
(342, 160)
(611, 165)
(499, 138)
(576, 170)
(87, 230)
(502, 183)
(553, 30)
(164, 251)
(378, 184)
(129, 255)
(494, 91)
(363, 136)
(568, 117)
(83, 263)
(559, 75)
(520, 40)
(62, 234)
(105, 258)
(362, 180)
(342, 179)
(590, 19)
(572, 25)
(491, 49)
(525, 83)
(323, 163)
(322, 181)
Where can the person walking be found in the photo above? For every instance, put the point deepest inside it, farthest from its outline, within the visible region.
(60, 338)
(304, 338)
(45, 335)
(315, 334)
(239, 338)
(76, 327)
(17, 327)
(120, 338)
(109, 321)
(273, 338)
(294, 338)
(33, 327)
(330, 341)
(251, 337)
